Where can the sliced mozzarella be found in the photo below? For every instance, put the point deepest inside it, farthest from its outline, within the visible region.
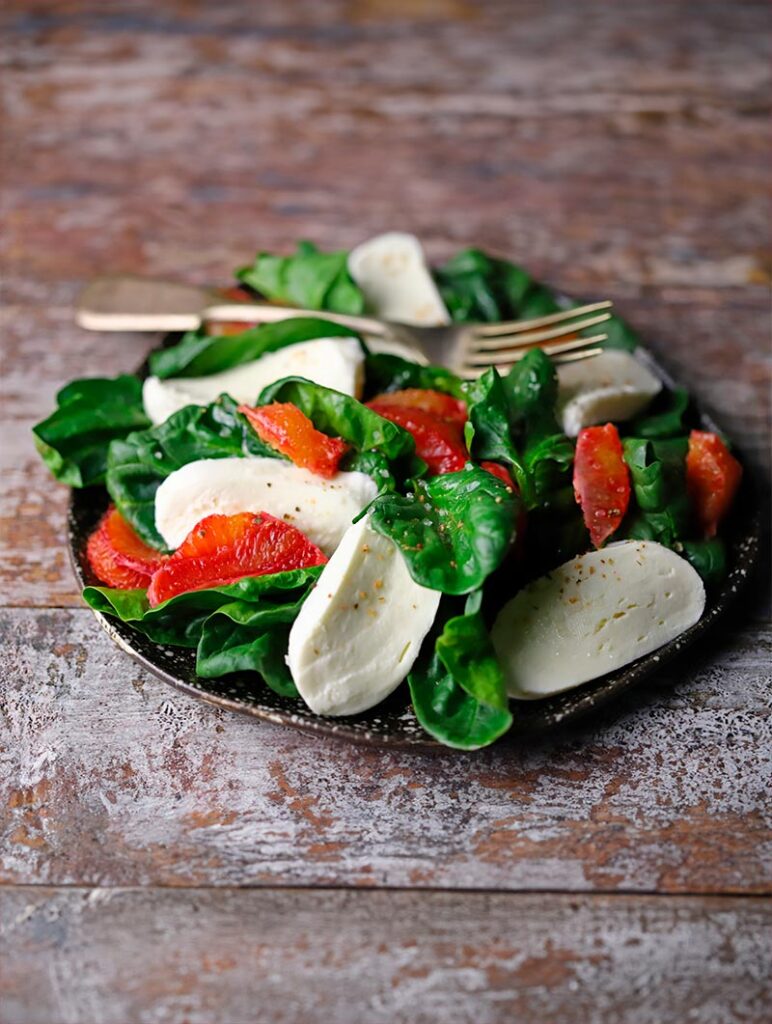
(361, 627)
(321, 509)
(594, 614)
(392, 272)
(610, 387)
(333, 362)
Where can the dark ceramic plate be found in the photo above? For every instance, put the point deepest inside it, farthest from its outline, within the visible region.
(392, 723)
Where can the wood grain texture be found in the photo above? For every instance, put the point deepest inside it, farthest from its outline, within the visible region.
(617, 150)
(205, 957)
(110, 777)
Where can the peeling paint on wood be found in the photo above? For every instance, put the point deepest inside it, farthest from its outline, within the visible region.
(111, 777)
(174, 138)
(298, 957)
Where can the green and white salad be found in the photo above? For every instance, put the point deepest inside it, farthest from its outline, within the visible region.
(339, 519)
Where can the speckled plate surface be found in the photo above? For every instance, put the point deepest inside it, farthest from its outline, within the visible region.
(392, 723)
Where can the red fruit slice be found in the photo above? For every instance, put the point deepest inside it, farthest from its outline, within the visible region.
(601, 481)
(284, 427)
(713, 475)
(499, 471)
(443, 406)
(436, 422)
(439, 443)
(223, 549)
(118, 557)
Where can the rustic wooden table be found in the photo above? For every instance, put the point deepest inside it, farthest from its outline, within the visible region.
(165, 862)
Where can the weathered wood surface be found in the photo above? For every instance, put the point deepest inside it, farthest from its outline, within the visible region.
(110, 777)
(617, 150)
(204, 956)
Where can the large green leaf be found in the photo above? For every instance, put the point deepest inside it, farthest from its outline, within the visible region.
(657, 470)
(458, 693)
(453, 530)
(476, 287)
(488, 432)
(466, 651)
(90, 413)
(513, 421)
(310, 279)
(241, 627)
(198, 354)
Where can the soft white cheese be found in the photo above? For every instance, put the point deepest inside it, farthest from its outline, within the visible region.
(321, 509)
(333, 362)
(595, 614)
(392, 272)
(610, 387)
(361, 627)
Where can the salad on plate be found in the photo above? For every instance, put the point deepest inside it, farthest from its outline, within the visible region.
(337, 518)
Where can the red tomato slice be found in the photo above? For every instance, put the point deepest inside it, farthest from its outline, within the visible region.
(713, 475)
(601, 481)
(439, 443)
(284, 427)
(443, 406)
(223, 549)
(118, 557)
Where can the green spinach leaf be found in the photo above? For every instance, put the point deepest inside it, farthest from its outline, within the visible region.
(241, 627)
(90, 413)
(385, 372)
(708, 557)
(466, 651)
(453, 530)
(198, 354)
(657, 469)
(458, 693)
(479, 288)
(513, 421)
(667, 422)
(488, 433)
(311, 279)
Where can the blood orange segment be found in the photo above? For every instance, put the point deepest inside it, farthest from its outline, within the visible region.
(118, 557)
(284, 427)
(443, 406)
(436, 422)
(713, 475)
(601, 481)
(222, 549)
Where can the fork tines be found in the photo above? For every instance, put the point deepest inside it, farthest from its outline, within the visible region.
(505, 343)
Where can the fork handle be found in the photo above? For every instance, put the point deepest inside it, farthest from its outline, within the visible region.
(247, 312)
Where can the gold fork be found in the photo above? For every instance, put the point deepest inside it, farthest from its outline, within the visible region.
(135, 304)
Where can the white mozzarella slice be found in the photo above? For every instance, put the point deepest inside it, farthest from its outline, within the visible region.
(595, 614)
(361, 627)
(610, 387)
(321, 509)
(392, 272)
(336, 363)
